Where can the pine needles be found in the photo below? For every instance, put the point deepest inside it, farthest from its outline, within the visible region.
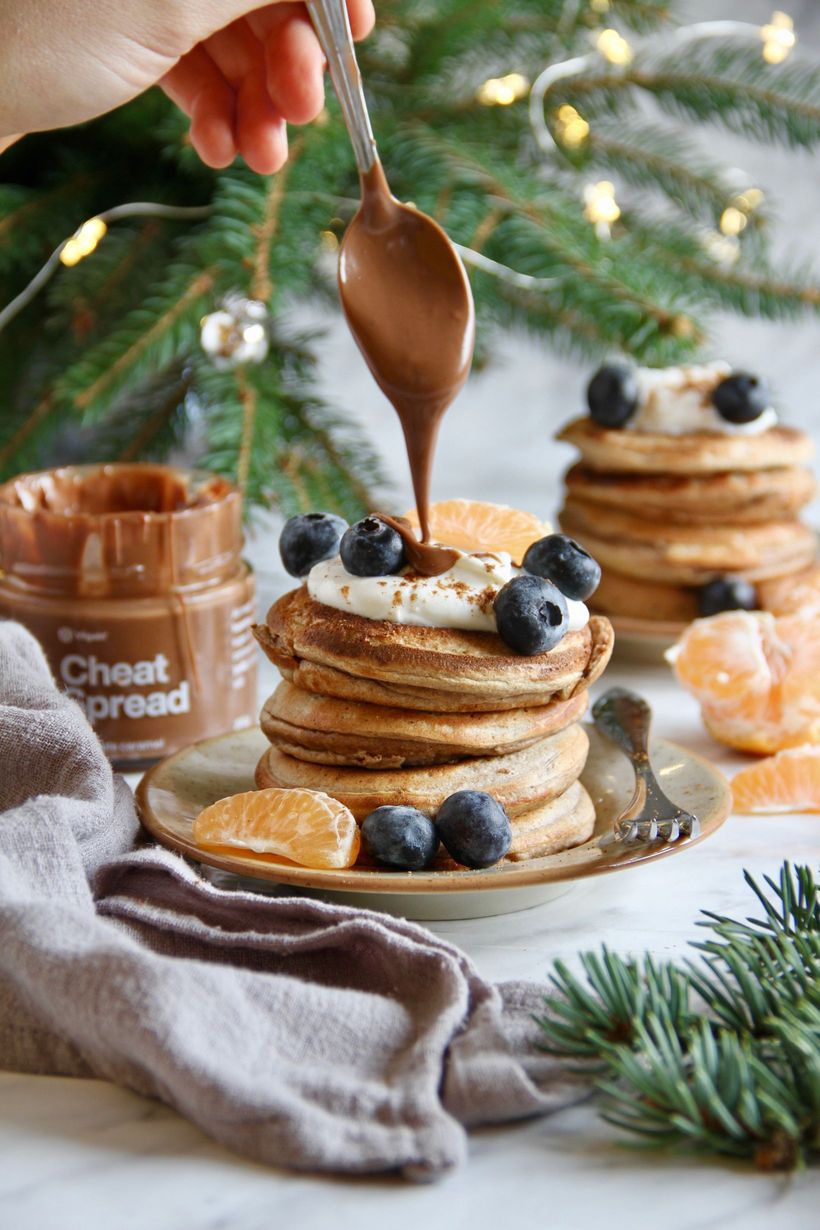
(107, 360)
(722, 1055)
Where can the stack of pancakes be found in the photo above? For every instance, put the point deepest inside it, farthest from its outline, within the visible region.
(374, 713)
(664, 515)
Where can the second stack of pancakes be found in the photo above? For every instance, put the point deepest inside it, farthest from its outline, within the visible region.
(375, 713)
(665, 515)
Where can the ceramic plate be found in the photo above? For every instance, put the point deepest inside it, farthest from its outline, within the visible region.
(171, 795)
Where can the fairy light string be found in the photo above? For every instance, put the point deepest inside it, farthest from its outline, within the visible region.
(571, 131)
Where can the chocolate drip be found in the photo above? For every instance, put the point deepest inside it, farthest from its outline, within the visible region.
(422, 557)
(408, 303)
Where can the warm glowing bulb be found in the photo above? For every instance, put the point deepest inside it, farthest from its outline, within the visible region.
(83, 242)
(778, 38)
(733, 220)
(614, 47)
(571, 128)
(501, 91)
(749, 200)
(600, 207)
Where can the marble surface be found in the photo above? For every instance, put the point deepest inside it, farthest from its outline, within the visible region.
(82, 1155)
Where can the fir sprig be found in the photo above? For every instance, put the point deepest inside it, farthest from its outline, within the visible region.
(721, 1056)
(108, 359)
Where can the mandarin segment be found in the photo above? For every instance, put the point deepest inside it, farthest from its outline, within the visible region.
(305, 826)
(757, 677)
(787, 782)
(474, 525)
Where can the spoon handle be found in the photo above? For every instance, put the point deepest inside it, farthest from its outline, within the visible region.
(332, 27)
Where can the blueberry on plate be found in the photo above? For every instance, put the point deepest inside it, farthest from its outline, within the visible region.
(400, 837)
(309, 538)
(370, 548)
(612, 395)
(741, 398)
(563, 561)
(531, 614)
(727, 594)
(474, 828)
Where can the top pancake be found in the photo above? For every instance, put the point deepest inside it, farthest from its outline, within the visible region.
(643, 452)
(340, 654)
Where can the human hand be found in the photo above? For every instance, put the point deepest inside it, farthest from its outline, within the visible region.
(240, 69)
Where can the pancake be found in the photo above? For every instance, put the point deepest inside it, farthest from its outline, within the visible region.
(519, 780)
(434, 669)
(687, 554)
(620, 595)
(639, 452)
(560, 824)
(795, 592)
(739, 497)
(326, 730)
(548, 828)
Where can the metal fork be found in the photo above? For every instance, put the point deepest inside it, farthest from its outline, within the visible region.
(625, 718)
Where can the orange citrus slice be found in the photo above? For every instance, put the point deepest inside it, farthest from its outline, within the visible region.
(474, 525)
(789, 781)
(306, 826)
(757, 677)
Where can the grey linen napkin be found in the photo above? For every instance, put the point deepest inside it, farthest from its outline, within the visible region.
(296, 1032)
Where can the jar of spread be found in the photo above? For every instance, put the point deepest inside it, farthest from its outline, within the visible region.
(132, 580)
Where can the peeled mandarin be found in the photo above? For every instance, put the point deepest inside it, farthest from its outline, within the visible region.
(474, 525)
(305, 826)
(757, 677)
(789, 781)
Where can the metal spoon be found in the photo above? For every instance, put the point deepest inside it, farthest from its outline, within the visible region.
(625, 718)
(404, 290)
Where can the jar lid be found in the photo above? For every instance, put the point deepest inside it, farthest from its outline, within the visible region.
(118, 530)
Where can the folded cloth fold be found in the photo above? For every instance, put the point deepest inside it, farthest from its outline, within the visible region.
(296, 1032)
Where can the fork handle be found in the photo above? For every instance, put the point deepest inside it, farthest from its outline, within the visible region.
(625, 718)
(332, 27)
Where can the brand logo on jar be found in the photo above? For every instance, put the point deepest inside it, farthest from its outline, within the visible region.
(66, 635)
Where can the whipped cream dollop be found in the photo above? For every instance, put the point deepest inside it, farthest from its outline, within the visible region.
(678, 400)
(462, 597)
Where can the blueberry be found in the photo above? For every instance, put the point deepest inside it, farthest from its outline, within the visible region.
(741, 398)
(400, 837)
(474, 828)
(727, 594)
(309, 538)
(531, 614)
(612, 395)
(372, 549)
(564, 562)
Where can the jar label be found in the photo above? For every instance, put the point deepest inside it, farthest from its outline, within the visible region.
(154, 676)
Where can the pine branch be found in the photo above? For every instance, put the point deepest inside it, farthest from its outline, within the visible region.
(741, 1078)
(728, 84)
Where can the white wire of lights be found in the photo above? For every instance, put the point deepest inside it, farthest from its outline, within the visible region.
(600, 206)
(87, 237)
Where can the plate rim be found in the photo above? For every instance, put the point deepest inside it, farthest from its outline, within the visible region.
(550, 869)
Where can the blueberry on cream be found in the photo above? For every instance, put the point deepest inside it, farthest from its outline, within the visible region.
(708, 398)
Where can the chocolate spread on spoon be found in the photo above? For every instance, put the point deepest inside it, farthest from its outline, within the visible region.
(408, 304)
